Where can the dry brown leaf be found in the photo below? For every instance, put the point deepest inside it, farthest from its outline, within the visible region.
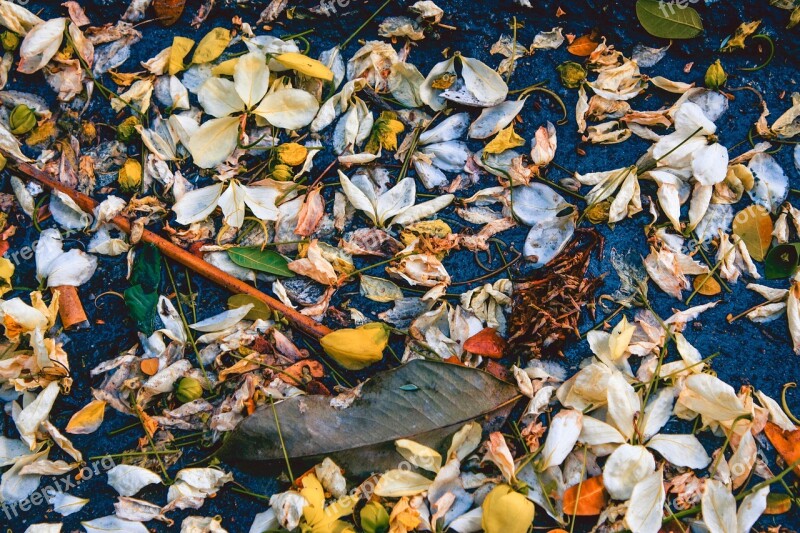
(168, 11)
(487, 343)
(310, 214)
(786, 442)
(583, 46)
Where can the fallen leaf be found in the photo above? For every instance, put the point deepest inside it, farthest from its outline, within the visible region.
(583, 45)
(361, 438)
(753, 225)
(88, 419)
(706, 285)
(591, 500)
(786, 442)
(487, 343)
(168, 11)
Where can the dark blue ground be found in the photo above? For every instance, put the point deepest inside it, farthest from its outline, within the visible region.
(760, 356)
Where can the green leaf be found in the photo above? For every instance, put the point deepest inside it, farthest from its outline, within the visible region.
(147, 268)
(669, 20)
(260, 310)
(361, 438)
(141, 305)
(255, 258)
(782, 261)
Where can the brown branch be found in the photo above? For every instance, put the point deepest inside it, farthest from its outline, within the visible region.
(176, 253)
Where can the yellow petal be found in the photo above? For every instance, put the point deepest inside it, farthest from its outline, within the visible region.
(6, 272)
(305, 65)
(180, 49)
(504, 140)
(211, 46)
(88, 419)
(357, 348)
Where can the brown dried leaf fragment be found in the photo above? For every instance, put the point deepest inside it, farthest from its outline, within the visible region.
(548, 305)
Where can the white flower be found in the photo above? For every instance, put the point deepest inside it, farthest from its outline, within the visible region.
(198, 204)
(622, 181)
(248, 94)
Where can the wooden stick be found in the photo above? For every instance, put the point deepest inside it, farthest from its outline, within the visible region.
(70, 308)
(176, 253)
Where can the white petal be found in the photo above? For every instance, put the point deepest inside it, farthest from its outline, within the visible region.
(711, 397)
(432, 97)
(396, 200)
(771, 183)
(680, 450)
(565, 428)
(657, 412)
(710, 164)
(358, 197)
(36, 412)
(290, 109)
(596, 433)
(113, 524)
(626, 467)
(261, 200)
(419, 455)
(623, 404)
(484, 83)
(198, 204)
(495, 118)
(40, 45)
(450, 129)
(751, 508)
(223, 320)
(719, 508)
(66, 504)
(645, 508)
(690, 117)
(423, 210)
(399, 483)
(219, 98)
(127, 480)
(251, 78)
(73, 268)
(214, 141)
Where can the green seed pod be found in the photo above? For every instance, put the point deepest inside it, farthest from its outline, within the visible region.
(22, 120)
(374, 518)
(127, 129)
(10, 40)
(188, 389)
(572, 74)
(716, 76)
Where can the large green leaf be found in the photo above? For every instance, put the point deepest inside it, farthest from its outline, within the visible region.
(141, 305)
(147, 268)
(669, 20)
(422, 400)
(253, 257)
(782, 261)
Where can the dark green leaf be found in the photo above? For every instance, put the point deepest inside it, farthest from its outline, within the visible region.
(361, 438)
(782, 261)
(255, 258)
(147, 268)
(669, 20)
(141, 306)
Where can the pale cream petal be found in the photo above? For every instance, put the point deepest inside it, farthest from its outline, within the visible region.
(251, 78)
(290, 109)
(219, 98)
(214, 141)
(198, 204)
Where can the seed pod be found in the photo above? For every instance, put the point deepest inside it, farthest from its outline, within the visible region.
(188, 389)
(22, 120)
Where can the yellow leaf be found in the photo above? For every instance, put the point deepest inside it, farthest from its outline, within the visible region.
(211, 46)
(178, 52)
(225, 68)
(745, 30)
(503, 141)
(6, 272)
(305, 65)
(357, 348)
(706, 285)
(88, 419)
(754, 226)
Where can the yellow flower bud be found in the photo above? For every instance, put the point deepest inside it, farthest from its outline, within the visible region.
(292, 154)
(22, 120)
(10, 40)
(357, 348)
(716, 76)
(506, 511)
(130, 175)
(282, 173)
(572, 74)
(127, 129)
(188, 389)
